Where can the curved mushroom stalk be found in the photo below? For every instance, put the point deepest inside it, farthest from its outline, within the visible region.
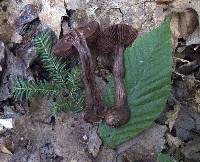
(95, 108)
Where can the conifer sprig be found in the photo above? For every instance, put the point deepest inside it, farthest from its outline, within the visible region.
(63, 92)
(24, 89)
(54, 65)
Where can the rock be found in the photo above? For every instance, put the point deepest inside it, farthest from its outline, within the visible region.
(192, 150)
(52, 13)
(194, 38)
(7, 123)
(69, 142)
(94, 142)
(15, 67)
(5, 157)
(187, 124)
(106, 155)
(35, 137)
(145, 146)
(6, 29)
(28, 14)
(121, 11)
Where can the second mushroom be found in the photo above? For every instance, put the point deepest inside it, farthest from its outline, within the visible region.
(114, 40)
(80, 38)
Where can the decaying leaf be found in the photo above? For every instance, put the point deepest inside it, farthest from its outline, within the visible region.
(5, 150)
(6, 145)
(184, 23)
(181, 5)
(185, 19)
(163, 1)
(197, 100)
(171, 140)
(171, 116)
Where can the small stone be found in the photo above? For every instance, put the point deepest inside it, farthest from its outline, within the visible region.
(28, 14)
(94, 142)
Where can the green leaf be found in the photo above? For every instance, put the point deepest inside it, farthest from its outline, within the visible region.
(148, 66)
(165, 158)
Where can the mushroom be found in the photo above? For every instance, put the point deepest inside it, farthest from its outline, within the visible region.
(64, 47)
(78, 39)
(114, 40)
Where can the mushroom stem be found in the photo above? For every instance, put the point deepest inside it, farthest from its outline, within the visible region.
(95, 107)
(118, 71)
(120, 113)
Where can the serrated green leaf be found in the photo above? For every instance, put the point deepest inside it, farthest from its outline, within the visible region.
(148, 66)
(165, 158)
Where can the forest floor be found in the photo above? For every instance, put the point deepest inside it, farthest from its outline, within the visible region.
(29, 132)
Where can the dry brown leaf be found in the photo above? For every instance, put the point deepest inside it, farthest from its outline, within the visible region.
(184, 23)
(197, 100)
(163, 1)
(171, 116)
(181, 5)
(171, 140)
(3, 149)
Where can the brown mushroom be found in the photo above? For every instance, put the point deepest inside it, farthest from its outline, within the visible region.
(79, 38)
(115, 39)
(64, 47)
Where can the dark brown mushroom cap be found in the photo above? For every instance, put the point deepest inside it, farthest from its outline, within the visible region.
(114, 35)
(64, 46)
(91, 31)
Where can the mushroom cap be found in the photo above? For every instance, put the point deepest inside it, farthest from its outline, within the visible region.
(91, 31)
(115, 35)
(64, 46)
